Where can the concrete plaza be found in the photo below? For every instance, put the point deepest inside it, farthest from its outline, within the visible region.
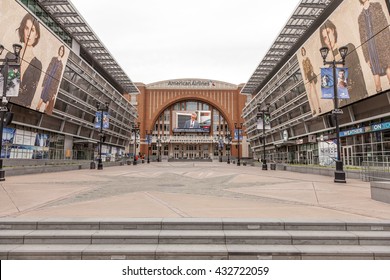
(187, 190)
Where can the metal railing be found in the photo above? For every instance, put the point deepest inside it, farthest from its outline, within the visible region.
(375, 171)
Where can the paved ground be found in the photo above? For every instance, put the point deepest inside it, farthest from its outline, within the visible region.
(203, 190)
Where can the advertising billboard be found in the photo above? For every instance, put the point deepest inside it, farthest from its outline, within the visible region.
(191, 121)
(363, 27)
(43, 56)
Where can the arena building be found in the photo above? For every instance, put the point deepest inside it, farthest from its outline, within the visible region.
(166, 107)
(292, 87)
(64, 73)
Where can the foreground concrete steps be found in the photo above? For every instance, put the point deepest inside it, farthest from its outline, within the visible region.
(199, 251)
(193, 239)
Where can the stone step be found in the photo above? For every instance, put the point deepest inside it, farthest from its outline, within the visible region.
(186, 251)
(192, 239)
(255, 237)
(189, 224)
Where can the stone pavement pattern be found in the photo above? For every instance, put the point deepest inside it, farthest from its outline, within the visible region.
(188, 190)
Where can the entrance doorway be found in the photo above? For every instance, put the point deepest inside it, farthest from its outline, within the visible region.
(176, 152)
(347, 155)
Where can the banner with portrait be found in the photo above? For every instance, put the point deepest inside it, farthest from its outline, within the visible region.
(43, 57)
(364, 28)
(264, 122)
(99, 121)
(327, 83)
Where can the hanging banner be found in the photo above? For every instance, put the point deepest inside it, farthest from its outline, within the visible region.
(236, 131)
(267, 121)
(342, 83)
(220, 144)
(13, 80)
(98, 120)
(327, 83)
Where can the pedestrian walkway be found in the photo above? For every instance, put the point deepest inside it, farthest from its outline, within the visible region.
(188, 190)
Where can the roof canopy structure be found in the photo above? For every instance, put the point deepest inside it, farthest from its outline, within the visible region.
(66, 15)
(301, 20)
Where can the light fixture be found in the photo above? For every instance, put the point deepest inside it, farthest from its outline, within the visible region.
(343, 52)
(17, 48)
(324, 52)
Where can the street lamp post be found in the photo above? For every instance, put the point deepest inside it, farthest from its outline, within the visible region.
(135, 129)
(101, 108)
(339, 175)
(220, 148)
(164, 142)
(158, 148)
(4, 101)
(238, 127)
(229, 142)
(263, 113)
(148, 142)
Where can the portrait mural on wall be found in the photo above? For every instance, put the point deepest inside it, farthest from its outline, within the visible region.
(29, 33)
(330, 37)
(363, 27)
(51, 81)
(310, 78)
(43, 57)
(372, 21)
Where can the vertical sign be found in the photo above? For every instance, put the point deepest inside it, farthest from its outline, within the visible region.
(98, 120)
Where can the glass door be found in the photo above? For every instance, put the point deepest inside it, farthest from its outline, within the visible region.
(347, 155)
(176, 152)
(310, 157)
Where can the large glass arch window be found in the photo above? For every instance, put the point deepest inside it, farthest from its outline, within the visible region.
(164, 125)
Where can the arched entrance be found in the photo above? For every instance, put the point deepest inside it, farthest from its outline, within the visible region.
(174, 138)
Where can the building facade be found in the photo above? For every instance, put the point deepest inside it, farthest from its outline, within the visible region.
(65, 72)
(164, 108)
(289, 81)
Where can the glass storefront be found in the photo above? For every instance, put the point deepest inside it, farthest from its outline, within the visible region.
(355, 150)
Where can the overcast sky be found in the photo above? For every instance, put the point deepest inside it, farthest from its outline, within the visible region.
(155, 40)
